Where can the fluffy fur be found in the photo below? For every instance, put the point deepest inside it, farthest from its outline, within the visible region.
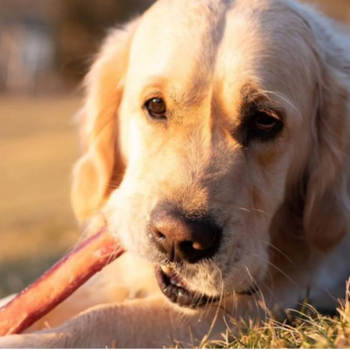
(284, 205)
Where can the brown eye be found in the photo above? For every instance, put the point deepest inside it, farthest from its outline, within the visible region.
(259, 126)
(265, 122)
(156, 108)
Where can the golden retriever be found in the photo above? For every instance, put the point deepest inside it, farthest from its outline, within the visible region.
(215, 138)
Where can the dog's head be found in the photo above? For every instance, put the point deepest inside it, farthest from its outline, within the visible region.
(202, 119)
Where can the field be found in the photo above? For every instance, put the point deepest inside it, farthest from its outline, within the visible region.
(38, 146)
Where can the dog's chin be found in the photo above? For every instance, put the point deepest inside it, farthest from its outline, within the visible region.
(177, 290)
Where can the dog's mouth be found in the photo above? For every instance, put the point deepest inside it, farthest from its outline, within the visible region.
(174, 287)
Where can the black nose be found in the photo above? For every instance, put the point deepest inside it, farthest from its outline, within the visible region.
(186, 238)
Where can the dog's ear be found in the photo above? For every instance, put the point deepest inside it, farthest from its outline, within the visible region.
(327, 206)
(98, 120)
(323, 191)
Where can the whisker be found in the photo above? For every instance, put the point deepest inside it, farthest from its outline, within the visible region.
(275, 93)
(255, 210)
(260, 293)
(253, 295)
(269, 289)
(277, 268)
(206, 337)
(244, 209)
(274, 247)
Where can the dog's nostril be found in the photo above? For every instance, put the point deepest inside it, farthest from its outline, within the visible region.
(183, 238)
(159, 235)
(186, 246)
(191, 251)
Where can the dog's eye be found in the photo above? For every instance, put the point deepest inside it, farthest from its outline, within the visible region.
(261, 126)
(156, 108)
(265, 122)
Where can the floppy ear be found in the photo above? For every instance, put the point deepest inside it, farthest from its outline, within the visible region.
(327, 207)
(99, 125)
(324, 195)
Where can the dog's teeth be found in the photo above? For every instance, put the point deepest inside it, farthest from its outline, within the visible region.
(166, 269)
(175, 283)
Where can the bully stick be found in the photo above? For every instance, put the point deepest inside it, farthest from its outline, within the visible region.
(59, 282)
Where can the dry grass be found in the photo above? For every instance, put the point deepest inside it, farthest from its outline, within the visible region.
(38, 146)
(305, 329)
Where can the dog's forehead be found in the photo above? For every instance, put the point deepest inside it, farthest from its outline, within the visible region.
(177, 37)
(203, 41)
(269, 45)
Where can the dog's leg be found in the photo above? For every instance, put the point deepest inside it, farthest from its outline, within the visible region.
(138, 284)
(137, 323)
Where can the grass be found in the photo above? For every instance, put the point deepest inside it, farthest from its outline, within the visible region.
(306, 329)
(38, 146)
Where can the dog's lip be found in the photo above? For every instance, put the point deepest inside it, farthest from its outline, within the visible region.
(251, 291)
(174, 287)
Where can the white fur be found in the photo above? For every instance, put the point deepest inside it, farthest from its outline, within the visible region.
(284, 205)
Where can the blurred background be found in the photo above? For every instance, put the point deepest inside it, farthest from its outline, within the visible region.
(46, 47)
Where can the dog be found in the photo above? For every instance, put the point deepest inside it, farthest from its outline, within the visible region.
(215, 139)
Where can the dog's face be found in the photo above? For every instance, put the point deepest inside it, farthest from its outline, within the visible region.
(213, 128)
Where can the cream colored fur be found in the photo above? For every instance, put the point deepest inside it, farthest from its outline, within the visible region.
(284, 205)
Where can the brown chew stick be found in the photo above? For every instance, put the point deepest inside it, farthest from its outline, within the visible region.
(59, 282)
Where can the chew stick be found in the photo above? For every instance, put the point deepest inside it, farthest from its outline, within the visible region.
(59, 282)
